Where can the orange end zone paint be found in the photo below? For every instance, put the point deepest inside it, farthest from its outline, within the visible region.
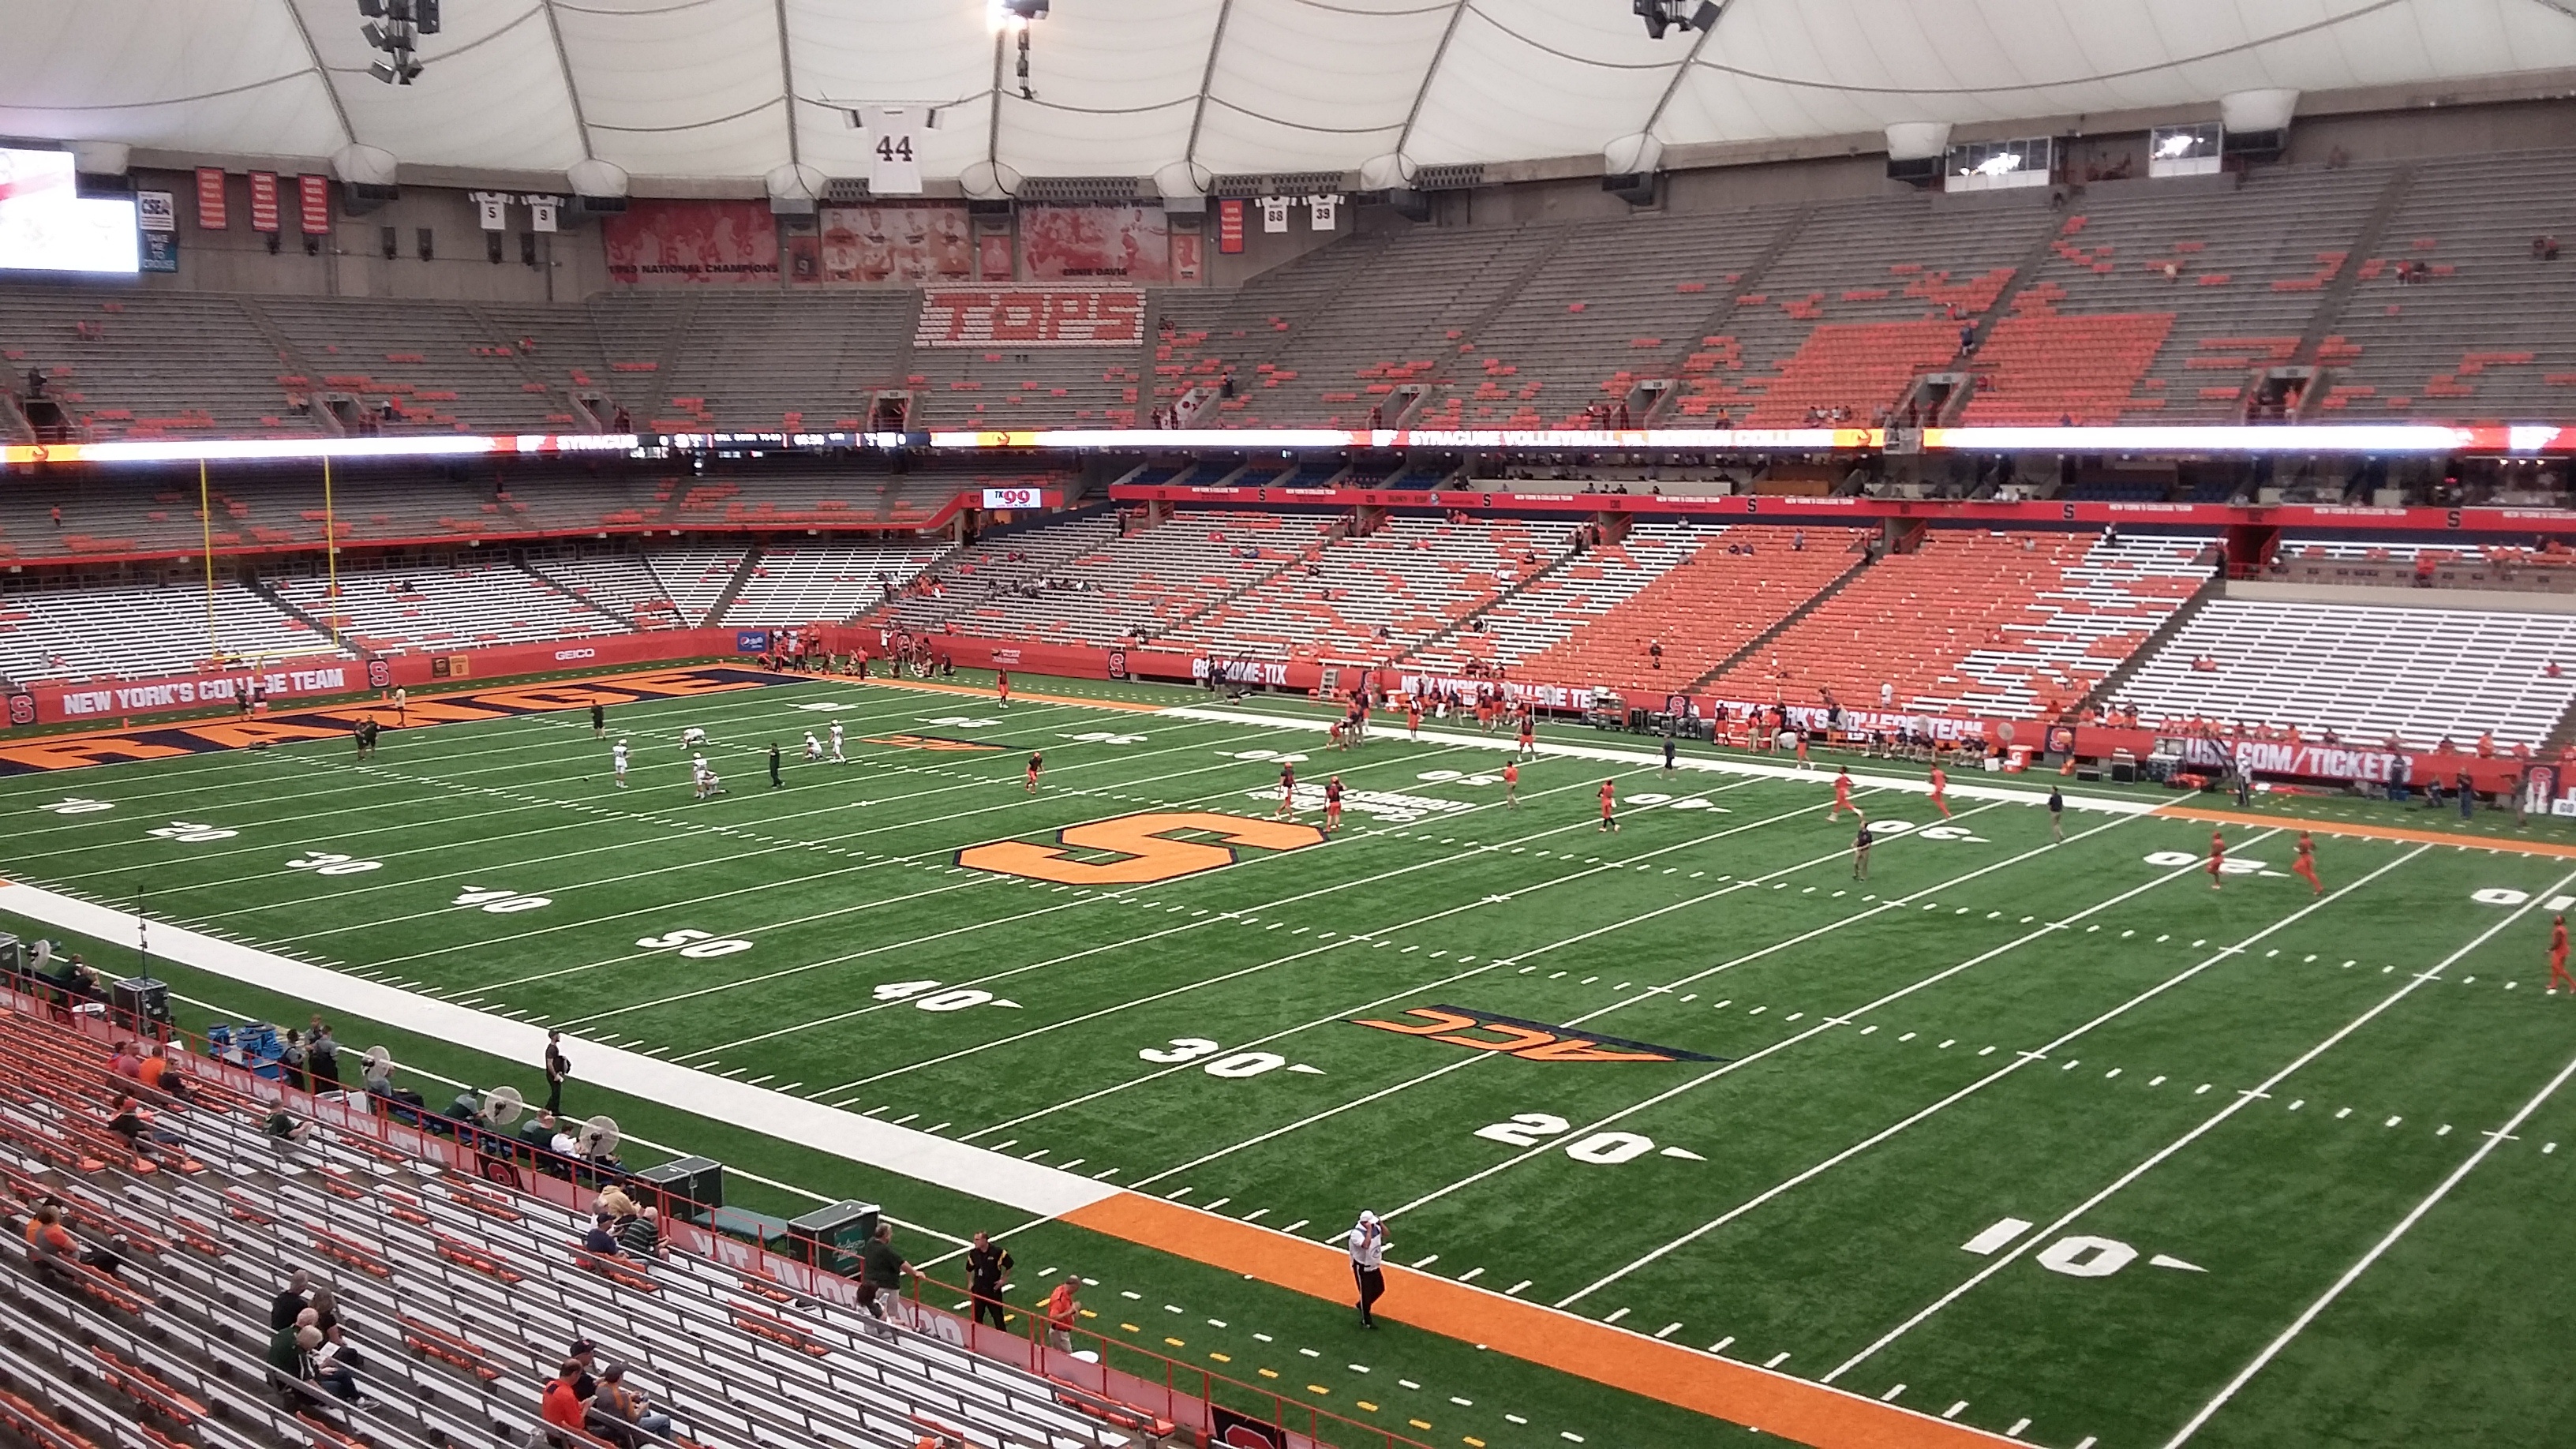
(1774, 1403)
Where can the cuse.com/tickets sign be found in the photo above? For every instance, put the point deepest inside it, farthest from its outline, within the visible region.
(1031, 317)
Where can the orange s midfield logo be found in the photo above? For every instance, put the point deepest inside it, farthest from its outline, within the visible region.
(1531, 1041)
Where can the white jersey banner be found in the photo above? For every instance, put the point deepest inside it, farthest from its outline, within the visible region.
(894, 150)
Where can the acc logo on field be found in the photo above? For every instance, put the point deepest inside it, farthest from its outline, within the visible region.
(927, 742)
(1531, 1041)
(1145, 841)
(380, 674)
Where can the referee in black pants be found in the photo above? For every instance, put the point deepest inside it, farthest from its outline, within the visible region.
(1368, 1264)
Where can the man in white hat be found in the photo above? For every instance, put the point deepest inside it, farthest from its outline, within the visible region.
(1368, 1263)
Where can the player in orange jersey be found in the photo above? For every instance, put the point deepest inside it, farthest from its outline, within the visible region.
(1512, 785)
(1842, 795)
(2305, 867)
(1002, 682)
(1940, 792)
(1287, 790)
(1332, 804)
(2558, 956)
(1413, 720)
(1037, 762)
(1609, 801)
(2217, 857)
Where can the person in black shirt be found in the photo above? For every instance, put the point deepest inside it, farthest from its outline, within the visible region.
(1860, 851)
(988, 1269)
(2056, 815)
(289, 1302)
(598, 721)
(558, 1067)
(774, 781)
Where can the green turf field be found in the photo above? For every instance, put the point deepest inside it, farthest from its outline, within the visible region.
(2050, 1137)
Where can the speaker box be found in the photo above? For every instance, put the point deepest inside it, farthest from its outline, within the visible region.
(139, 1003)
(830, 1238)
(689, 1180)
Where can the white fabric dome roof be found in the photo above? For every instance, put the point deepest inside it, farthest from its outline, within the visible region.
(722, 91)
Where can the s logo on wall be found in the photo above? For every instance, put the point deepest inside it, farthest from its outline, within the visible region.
(22, 709)
(1118, 664)
(380, 674)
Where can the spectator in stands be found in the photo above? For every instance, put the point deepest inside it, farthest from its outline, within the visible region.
(290, 1301)
(618, 1412)
(325, 1364)
(162, 1075)
(126, 1061)
(55, 1254)
(639, 1232)
(625, 422)
(537, 1134)
(290, 1061)
(881, 1268)
(286, 1349)
(127, 1119)
(565, 1406)
(2543, 249)
(600, 1239)
(322, 1056)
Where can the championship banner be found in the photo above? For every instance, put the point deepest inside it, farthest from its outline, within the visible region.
(666, 243)
(1027, 316)
(263, 201)
(1104, 243)
(210, 198)
(894, 142)
(1229, 227)
(491, 209)
(1274, 213)
(313, 205)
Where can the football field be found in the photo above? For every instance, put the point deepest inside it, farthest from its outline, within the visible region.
(2050, 1140)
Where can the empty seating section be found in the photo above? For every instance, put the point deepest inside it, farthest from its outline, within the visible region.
(457, 1296)
(2039, 367)
(416, 365)
(823, 585)
(993, 387)
(1401, 320)
(999, 564)
(621, 583)
(1742, 581)
(1908, 259)
(79, 633)
(451, 607)
(2010, 625)
(2464, 341)
(1371, 599)
(2419, 676)
(136, 364)
(1618, 303)
(1200, 337)
(1568, 597)
(695, 579)
(766, 360)
(2240, 273)
(1147, 583)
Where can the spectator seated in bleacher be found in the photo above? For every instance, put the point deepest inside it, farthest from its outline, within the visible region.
(565, 1405)
(625, 1416)
(379, 1078)
(58, 1256)
(601, 1238)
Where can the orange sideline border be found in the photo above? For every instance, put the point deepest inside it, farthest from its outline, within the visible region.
(1774, 1403)
(2367, 832)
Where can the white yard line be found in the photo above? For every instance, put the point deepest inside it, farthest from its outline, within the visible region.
(2018, 1062)
(2377, 1251)
(2240, 1102)
(972, 1170)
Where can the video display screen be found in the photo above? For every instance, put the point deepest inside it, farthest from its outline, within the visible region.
(46, 225)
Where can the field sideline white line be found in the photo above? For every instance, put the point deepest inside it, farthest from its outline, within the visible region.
(2242, 1100)
(974, 1171)
(1965, 789)
(2019, 1061)
(2378, 1250)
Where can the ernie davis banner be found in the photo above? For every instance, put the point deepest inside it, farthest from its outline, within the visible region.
(1025, 316)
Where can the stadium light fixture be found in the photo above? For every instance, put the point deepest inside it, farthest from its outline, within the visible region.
(395, 27)
(1664, 15)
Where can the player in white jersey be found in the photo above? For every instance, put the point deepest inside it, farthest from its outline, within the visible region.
(618, 754)
(837, 757)
(813, 748)
(692, 736)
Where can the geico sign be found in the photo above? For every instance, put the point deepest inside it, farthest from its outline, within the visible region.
(1031, 317)
(563, 655)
